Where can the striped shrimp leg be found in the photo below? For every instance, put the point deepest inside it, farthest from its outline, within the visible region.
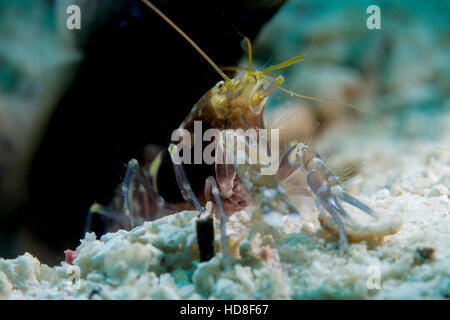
(265, 189)
(323, 185)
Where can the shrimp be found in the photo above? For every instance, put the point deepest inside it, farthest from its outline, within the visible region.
(237, 103)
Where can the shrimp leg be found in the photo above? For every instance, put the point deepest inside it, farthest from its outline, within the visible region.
(140, 200)
(98, 209)
(211, 187)
(324, 186)
(205, 226)
(138, 190)
(266, 190)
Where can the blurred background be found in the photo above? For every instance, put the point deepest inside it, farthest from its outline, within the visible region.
(76, 105)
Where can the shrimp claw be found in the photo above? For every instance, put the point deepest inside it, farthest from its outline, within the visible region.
(324, 186)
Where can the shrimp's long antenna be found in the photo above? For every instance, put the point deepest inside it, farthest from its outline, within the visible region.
(184, 35)
(320, 99)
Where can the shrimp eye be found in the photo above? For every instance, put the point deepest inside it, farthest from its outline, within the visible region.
(219, 84)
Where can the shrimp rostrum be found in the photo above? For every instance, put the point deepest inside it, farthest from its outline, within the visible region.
(235, 178)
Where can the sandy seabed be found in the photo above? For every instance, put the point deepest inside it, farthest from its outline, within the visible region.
(402, 179)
